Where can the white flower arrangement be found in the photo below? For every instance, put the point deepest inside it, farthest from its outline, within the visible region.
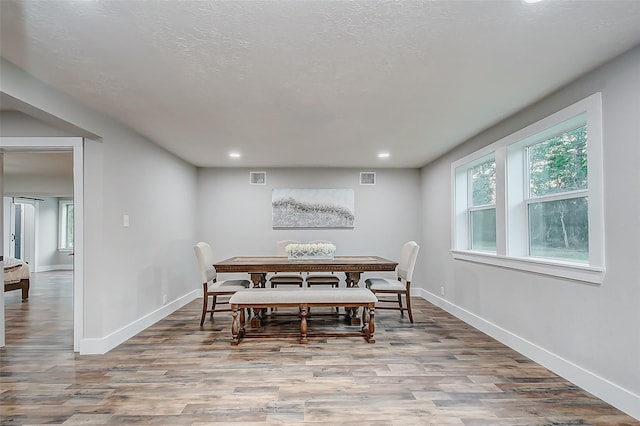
(310, 251)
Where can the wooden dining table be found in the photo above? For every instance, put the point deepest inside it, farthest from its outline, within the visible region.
(259, 266)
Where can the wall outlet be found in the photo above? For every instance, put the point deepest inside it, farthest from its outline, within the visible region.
(164, 299)
(442, 291)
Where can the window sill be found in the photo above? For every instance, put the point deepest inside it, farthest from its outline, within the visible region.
(558, 269)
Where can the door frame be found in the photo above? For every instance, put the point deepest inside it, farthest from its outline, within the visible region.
(74, 144)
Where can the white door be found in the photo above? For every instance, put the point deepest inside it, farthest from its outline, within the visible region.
(21, 228)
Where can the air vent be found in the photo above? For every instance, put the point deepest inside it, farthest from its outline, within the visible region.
(367, 178)
(258, 178)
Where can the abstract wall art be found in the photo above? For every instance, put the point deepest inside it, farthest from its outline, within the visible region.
(313, 208)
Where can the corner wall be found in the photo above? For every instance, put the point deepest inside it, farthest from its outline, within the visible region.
(133, 276)
(586, 333)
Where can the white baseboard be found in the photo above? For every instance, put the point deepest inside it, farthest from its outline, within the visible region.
(604, 389)
(47, 268)
(99, 346)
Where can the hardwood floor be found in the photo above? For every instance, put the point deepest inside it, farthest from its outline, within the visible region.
(437, 371)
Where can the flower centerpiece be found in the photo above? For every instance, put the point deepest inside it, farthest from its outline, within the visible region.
(310, 251)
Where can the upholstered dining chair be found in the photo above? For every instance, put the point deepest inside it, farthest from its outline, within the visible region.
(210, 285)
(280, 278)
(322, 278)
(400, 286)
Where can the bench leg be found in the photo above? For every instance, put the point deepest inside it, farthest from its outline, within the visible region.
(303, 324)
(235, 328)
(368, 329)
(243, 320)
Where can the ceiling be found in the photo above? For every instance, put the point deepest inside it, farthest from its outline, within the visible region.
(312, 83)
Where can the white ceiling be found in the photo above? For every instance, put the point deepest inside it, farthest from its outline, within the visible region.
(312, 83)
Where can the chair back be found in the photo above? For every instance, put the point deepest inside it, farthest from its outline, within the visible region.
(204, 254)
(282, 245)
(408, 258)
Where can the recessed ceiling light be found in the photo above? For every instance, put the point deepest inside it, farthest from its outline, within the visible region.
(234, 155)
(531, 1)
(383, 155)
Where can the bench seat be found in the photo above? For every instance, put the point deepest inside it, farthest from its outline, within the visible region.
(303, 298)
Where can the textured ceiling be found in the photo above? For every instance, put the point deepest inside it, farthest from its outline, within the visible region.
(312, 83)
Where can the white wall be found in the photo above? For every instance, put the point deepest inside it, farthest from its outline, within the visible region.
(151, 260)
(589, 333)
(2, 341)
(235, 217)
(48, 255)
(131, 275)
(14, 123)
(37, 186)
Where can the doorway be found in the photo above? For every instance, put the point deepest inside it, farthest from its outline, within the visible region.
(48, 144)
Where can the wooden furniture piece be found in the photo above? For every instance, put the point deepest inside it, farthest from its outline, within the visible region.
(402, 285)
(259, 266)
(208, 274)
(17, 276)
(22, 285)
(283, 278)
(322, 278)
(303, 299)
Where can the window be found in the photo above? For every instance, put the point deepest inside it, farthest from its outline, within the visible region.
(533, 200)
(557, 197)
(480, 214)
(65, 229)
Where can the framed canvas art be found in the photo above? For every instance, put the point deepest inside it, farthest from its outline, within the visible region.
(313, 208)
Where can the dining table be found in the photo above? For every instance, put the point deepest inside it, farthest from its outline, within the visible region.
(259, 266)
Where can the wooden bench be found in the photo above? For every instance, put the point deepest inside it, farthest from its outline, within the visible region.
(304, 298)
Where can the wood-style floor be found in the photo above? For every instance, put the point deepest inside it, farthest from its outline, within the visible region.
(437, 371)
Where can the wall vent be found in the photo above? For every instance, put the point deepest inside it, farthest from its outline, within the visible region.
(258, 178)
(367, 178)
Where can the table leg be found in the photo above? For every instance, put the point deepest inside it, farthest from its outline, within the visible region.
(259, 280)
(352, 315)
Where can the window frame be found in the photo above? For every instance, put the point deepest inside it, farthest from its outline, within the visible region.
(471, 207)
(62, 224)
(512, 197)
(463, 196)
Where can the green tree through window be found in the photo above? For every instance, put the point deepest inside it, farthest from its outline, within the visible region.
(559, 227)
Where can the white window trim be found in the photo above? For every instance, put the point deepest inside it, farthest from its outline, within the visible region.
(62, 226)
(511, 248)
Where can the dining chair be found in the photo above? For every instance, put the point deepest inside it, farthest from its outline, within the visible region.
(279, 278)
(210, 285)
(401, 285)
(322, 278)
